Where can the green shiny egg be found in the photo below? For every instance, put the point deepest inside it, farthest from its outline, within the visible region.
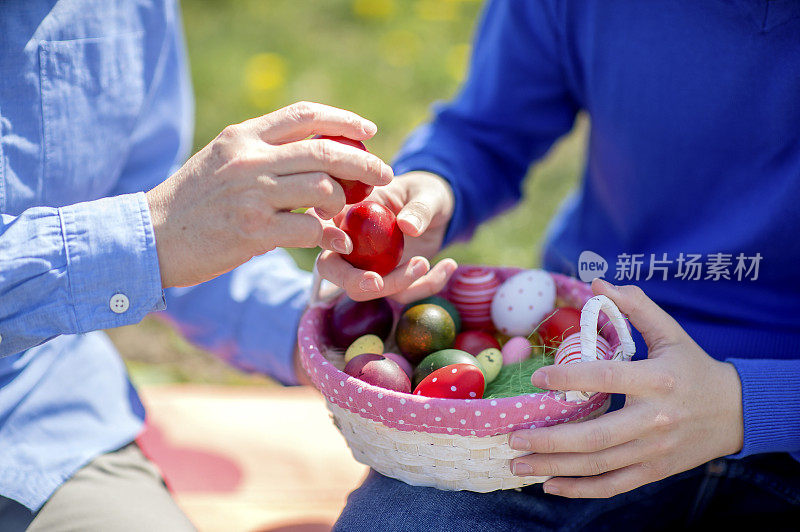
(440, 359)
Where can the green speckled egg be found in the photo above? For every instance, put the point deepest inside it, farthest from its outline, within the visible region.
(423, 329)
(442, 302)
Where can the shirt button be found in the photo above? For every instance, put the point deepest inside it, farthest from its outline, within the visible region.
(119, 303)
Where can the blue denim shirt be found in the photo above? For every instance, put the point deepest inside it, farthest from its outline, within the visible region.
(95, 108)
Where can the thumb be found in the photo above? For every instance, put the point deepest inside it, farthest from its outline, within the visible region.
(416, 215)
(656, 326)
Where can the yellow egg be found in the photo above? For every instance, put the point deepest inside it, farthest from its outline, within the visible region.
(491, 361)
(369, 343)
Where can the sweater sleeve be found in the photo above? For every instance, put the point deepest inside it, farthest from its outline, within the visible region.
(513, 106)
(769, 403)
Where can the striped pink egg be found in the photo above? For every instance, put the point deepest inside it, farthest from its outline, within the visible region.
(471, 292)
(570, 349)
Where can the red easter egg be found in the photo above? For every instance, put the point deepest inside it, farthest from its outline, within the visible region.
(377, 240)
(570, 349)
(471, 291)
(559, 324)
(379, 371)
(456, 381)
(473, 342)
(354, 190)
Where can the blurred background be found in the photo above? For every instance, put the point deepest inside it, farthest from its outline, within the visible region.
(387, 60)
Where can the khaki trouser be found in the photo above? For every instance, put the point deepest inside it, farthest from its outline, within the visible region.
(118, 491)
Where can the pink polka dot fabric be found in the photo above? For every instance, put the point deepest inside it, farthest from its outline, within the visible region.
(466, 417)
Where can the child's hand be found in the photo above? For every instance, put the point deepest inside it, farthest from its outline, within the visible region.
(423, 203)
(682, 409)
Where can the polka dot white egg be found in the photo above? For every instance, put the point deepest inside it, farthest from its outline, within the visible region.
(522, 302)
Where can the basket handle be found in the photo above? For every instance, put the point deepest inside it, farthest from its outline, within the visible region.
(321, 290)
(590, 315)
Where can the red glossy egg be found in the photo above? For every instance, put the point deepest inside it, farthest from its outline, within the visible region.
(377, 240)
(456, 381)
(473, 342)
(559, 324)
(379, 371)
(354, 191)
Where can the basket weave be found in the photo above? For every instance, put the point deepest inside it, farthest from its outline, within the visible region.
(445, 443)
(444, 461)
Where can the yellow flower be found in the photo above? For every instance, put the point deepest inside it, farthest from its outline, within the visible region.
(440, 10)
(457, 60)
(265, 72)
(265, 75)
(399, 47)
(374, 9)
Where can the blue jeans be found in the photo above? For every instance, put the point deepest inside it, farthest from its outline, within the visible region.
(761, 491)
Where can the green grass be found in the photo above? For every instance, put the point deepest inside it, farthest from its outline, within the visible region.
(387, 60)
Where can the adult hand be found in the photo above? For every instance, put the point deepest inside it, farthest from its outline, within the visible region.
(423, 203)
(682, 409)
(233, 199)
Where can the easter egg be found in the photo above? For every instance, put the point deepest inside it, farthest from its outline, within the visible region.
(570, 349)
(423, 329)
(457, 381)
(516, 349)
(522, 302)
(377, 240)
(471, 291)
(379, 371)
(559, 324)
(442, 302)
(440, 359)
(401, 361)
(473, 342)
(369, 343)
(348, 320)
(354, 191)
(491, 361)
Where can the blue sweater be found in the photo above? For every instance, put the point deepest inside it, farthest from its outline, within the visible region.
(693, 166)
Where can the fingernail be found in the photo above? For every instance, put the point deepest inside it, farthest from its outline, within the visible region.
(521, 468)
(370, 284)
(414, 220)
(540, 378)
(552, 490)
(339, 245)
(419, 268)
(369, 128)
(519, 444)
(608, 286)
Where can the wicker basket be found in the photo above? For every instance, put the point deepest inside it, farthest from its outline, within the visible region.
(450, 444)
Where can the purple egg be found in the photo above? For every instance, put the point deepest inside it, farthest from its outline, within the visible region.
(379, 371)
(401, 361)
(349, 320)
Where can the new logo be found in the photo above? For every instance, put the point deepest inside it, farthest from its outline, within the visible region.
(591, 265)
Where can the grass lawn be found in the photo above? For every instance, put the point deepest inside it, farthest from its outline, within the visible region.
(388, 60)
